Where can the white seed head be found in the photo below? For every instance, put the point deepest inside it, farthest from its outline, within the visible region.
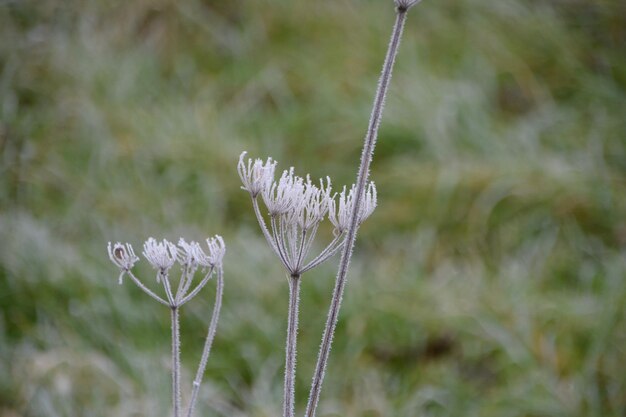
(370, 201)
(340, 216)
(217, 249)
(190, 254)
(161, 255)
(282, 196)
(313, 204)
(122, 255)
(256, 175)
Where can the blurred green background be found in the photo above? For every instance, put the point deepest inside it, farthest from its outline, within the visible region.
(489, 282)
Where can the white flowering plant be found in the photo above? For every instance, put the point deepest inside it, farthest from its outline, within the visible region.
(295, 207)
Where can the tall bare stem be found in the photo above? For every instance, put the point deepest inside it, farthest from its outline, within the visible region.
(290, 348)
(363, 174)
(175, 361)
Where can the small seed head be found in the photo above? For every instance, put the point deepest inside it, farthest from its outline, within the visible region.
(161, 255)
(217, 250)
(340, 216)
(122, 255)
(256, 175)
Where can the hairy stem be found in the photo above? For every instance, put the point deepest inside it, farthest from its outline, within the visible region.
(196, 290)
(363, 174)
(290, 348)
(146, 289)
(175, 362)
(209, 341)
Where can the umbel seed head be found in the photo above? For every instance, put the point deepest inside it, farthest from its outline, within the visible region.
(191, 254)
(122, 255)
(255, 175)
(161, 255)
(339, 214)
(217, 250)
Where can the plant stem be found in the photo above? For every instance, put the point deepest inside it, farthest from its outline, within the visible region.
(290, 348)
(363, 174)
(175, 361)
(209, 341)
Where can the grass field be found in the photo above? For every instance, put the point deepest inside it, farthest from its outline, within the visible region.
(490, 282)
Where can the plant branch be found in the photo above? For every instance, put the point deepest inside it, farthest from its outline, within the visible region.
(196, 290)
(209, 341)
(290, 348)
(146, 289)
(175, 361)
(363, 174)
(266, 232)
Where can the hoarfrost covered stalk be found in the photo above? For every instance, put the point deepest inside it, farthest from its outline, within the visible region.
(175, 361)
(191, 257)
(208, 343)
(290, 348)
(402, 7)
(295, 208)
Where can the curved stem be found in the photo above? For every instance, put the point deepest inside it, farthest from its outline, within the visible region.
(168, 288)
(300, 249)
(291, 347)
(175, 361)
(363, 173)
(195, 291)
(264, 229)
(280, 240)
(209, 341)
(329, 251)
(186, 279)
(146, 289)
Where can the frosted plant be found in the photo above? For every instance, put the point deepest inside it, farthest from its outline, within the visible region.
(296, 207)
(341, 217)
(360, 201)
(191, 257)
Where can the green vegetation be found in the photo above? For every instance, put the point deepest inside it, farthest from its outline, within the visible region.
(489, 282)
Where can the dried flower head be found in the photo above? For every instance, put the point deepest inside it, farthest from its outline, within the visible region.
(296, 206)
(340, 216)
(256, 175)
(313, 204)
(123, 256)
(190, 255)
(161, 255)
(217, 250)
(280, 197)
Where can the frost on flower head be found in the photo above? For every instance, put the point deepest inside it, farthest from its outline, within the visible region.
(296, 206)
(161, 255)
(122, 255)
(313, 205)
(280, 197)
(340, 216)
(256, 175)
(217, 249)
(190, 254)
